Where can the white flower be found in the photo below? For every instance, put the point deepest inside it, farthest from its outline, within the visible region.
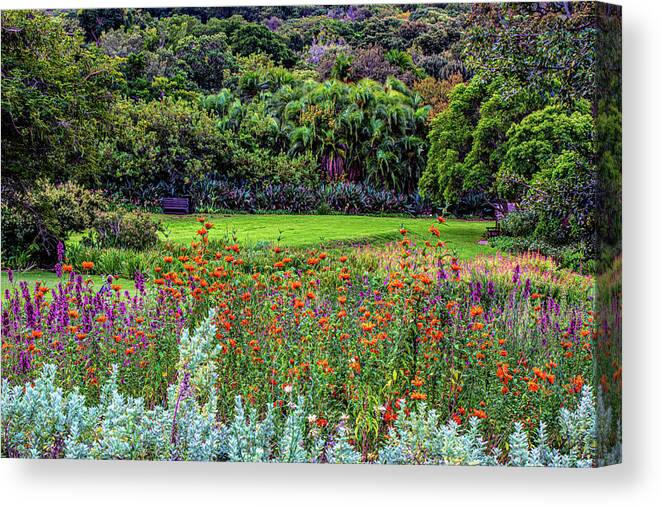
(312, 419)
(288, 388)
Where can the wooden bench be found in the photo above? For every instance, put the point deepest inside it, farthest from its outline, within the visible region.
(175, 205)
(494, 231)
(500, 213)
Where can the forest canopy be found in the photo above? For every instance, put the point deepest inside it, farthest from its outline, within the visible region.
(455, 107)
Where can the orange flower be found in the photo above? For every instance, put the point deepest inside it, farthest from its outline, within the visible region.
(37, 334)
(87, 265)
(533, 386)
(577, 383)
(441, 220)
(480, 414)
(503, 373)
(67, 268)
(167, 259)
(418, 396)
(476, 310)
(368, 326)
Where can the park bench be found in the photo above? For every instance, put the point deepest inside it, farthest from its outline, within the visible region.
(175, 205)
(500, 213)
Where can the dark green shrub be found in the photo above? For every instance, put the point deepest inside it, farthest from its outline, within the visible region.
(323, 209)
(519, 223)
(133, 230)
(34, 221)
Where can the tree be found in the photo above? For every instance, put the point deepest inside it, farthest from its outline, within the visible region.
(96, 21)
(166, 143)
(537, 143)
(57, 95)
(547, 46)
(249, 38)
(206, 60)
(361, 132)
(436, 93)
(468, 139)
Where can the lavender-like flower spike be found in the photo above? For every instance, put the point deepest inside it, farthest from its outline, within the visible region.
(139, 282)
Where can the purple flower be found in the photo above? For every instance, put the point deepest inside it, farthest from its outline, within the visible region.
(273, 23)
(139, 282)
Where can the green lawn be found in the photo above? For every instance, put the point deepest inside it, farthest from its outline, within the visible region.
(310, 230)
(49, 279)
(304, 231)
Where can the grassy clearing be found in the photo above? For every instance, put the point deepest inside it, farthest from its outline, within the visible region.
(302, 231)
(50, 279)
(311, 230)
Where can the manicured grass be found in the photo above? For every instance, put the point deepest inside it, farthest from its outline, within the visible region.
(303, 231)
(50, 279)
(311, 230)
